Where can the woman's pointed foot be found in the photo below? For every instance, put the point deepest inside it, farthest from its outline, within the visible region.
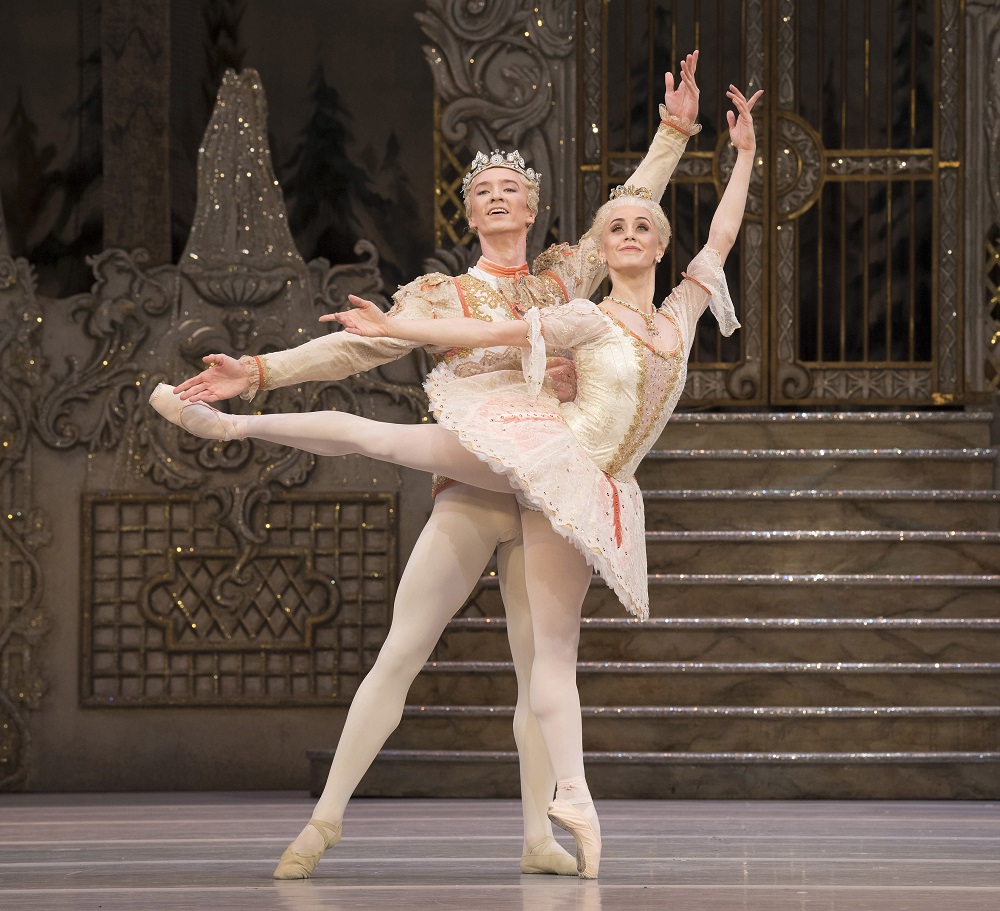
(548, 856)
(299, 865)
(588, 841)
(198, 418)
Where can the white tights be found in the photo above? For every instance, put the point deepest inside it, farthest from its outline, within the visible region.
(464, 528)
(426, 447)
(543, 585)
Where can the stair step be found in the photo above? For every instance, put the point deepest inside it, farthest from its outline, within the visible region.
(717, 682)
(808, 453)
(736, 509)
(824, 550)
(922, 429)
(701, 712)
(718, 728)
(951, 595)
(631, 625)
(856, 577)
(859, 775)
(727, 667)
(971, 468)
(714, 758)
(739, 639)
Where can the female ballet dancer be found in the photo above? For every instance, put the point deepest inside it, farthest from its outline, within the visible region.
(571, 465)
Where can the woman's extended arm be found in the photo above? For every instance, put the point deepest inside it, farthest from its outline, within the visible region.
(729, 214)
(368, 320)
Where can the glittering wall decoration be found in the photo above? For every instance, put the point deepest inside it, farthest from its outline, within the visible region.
(181, 608)
(213, 573)
(22, 525)
(232, 591)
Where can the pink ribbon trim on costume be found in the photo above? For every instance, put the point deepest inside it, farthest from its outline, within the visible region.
(616, 506)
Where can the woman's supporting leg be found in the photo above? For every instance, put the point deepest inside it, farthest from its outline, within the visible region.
(540, 853)
(557, 576)
(446, 563)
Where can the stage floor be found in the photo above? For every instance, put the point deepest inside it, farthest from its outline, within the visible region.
(147, 852)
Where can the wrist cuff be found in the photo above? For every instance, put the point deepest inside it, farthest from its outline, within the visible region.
(684, 127)
(254, 366)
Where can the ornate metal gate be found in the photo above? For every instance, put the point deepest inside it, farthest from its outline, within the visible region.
(849, 272)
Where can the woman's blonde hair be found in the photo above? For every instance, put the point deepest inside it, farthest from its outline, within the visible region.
(629, 195)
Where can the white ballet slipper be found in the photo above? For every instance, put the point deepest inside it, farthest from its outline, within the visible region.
(295, 865)
(548, 856)
(198, 418)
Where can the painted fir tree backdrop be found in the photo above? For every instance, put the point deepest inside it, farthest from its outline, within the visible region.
(353, 156)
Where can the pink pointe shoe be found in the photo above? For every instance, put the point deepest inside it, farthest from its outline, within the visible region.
(567, 816)
(197, 418)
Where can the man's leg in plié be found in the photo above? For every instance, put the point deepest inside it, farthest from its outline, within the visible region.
(540, 852)
(446, 563)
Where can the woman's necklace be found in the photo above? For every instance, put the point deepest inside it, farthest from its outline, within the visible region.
(648, 317)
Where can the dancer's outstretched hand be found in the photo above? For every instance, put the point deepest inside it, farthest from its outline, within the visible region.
(224, 378)
(366, 319)
(682, 102)
(741, 133)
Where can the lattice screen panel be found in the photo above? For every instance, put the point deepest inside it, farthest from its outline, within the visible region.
(181, 609)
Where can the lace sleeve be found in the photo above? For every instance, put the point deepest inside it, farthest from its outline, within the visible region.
(722, 307)
(338, 355)
(703, 287)
(707, 273)
(533, 358)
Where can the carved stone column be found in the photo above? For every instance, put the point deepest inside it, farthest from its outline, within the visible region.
(504, 77)
(22, 524)
(982, 188)
(135, 71)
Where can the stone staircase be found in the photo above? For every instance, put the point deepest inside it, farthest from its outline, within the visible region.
(825, 603)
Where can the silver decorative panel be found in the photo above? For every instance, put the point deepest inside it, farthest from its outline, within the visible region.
(182, 609)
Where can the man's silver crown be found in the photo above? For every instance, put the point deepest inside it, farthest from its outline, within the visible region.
(498, 159)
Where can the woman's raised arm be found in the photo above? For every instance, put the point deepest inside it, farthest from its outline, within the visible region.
(729, 214)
